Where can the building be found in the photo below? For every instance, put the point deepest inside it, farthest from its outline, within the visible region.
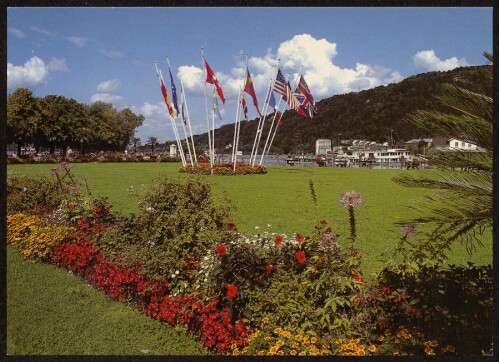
(322, 146)
(455, 144)
(173, 150)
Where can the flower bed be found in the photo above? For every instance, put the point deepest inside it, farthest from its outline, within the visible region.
(224, 169)
(267, 294)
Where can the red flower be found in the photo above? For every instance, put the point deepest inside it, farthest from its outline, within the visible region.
(230, 227)
(358, 277)
(278, 240)
(97, 209)
(300, 257)
(221, 250)
(231, 291)
(70, 205)
(329, 230)
(299, 238)
(268, 268)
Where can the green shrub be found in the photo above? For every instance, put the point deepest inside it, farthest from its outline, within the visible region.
(30, 194)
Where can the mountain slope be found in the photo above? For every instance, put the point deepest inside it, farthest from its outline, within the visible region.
(369, 114)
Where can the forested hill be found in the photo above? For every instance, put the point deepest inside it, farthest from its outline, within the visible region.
(369, 114)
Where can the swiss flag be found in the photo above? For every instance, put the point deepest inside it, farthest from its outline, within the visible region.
(212, 78)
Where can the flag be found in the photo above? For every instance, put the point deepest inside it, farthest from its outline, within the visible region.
(281, 86)
(278, 118)
(308, 101)
(250, 89)
(174, 90)
(245, 109)
(165, 94)
(211, 78)
(215, 105)
(182, 108)
(272, 100)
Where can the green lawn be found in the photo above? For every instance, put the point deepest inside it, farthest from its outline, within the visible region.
(52, 312)
(282, 200)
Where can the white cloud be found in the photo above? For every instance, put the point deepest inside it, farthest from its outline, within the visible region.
(43, 31)
(18, 33)
(315, 55)
(107, 98)
(78, 41)
(112, 53)
(109, 86)
(58, 65)
(34, 72)
(428, 60)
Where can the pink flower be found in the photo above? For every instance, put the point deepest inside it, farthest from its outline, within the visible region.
(408, 231)
(351, 198)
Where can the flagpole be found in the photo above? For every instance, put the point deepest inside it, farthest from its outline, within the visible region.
(271, 127)
(188, 121)
(175, 131)
(174, 94)
(294, 86)
(237, 139)
(207, 119)
(235, 125)
(259, 131)
(161, 82)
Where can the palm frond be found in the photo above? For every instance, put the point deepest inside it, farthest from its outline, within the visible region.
(489, 57)
(474, 130)
(472, 104)
(461, 159)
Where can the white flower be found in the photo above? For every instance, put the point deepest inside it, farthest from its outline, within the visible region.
(173, 276)
(176, 272)
(268, 225)
(150, 209)
(257, 227)
(144, 351)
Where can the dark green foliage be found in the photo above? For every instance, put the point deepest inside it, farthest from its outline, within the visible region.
(178, 220)
(368, 114)
(29, 194)
(455, 305)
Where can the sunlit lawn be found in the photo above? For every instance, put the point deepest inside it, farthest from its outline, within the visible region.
(280, 201)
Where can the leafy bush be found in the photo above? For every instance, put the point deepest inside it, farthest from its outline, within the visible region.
(26, 194)
(226, 169)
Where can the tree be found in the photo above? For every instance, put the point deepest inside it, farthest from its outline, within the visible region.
(152, 142)
(463, 209)
(128, 122)
(23, 117)
(135, 142)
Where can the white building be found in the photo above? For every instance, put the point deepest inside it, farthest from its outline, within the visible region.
(173, 150)
(455, 144)
(322, 146)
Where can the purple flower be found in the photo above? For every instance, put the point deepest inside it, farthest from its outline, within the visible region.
(55, 170)
(73, 190)
(408, 231)
(351, 198)
(65, 165)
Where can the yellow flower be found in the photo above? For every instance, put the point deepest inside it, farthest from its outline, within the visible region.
(295, 345)
(270, 353)
(360, 352)
(356, 341)
(233, 346)
(265, 320)
(280, 353)
(293, 352)
(245, 349)
(302, 353)
(286, 334)
(433, 343)
(280, 343)
(339, 341)
(261, 353)
(298, 337)
(235, 352)
(326, 346)
(350, 346)
(381, 338)
(313, 340)
(277, 330)
(267, 338)
(273, 349)
(429, 351)
(372, 348)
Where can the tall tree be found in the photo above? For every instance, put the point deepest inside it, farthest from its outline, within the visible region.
(152, 142)
(135, 142)
(23, 117)
(463, 209)
(128, 122)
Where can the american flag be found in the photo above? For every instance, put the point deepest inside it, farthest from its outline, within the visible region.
(281, 86)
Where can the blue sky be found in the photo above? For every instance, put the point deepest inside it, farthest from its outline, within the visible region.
(107, 54)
